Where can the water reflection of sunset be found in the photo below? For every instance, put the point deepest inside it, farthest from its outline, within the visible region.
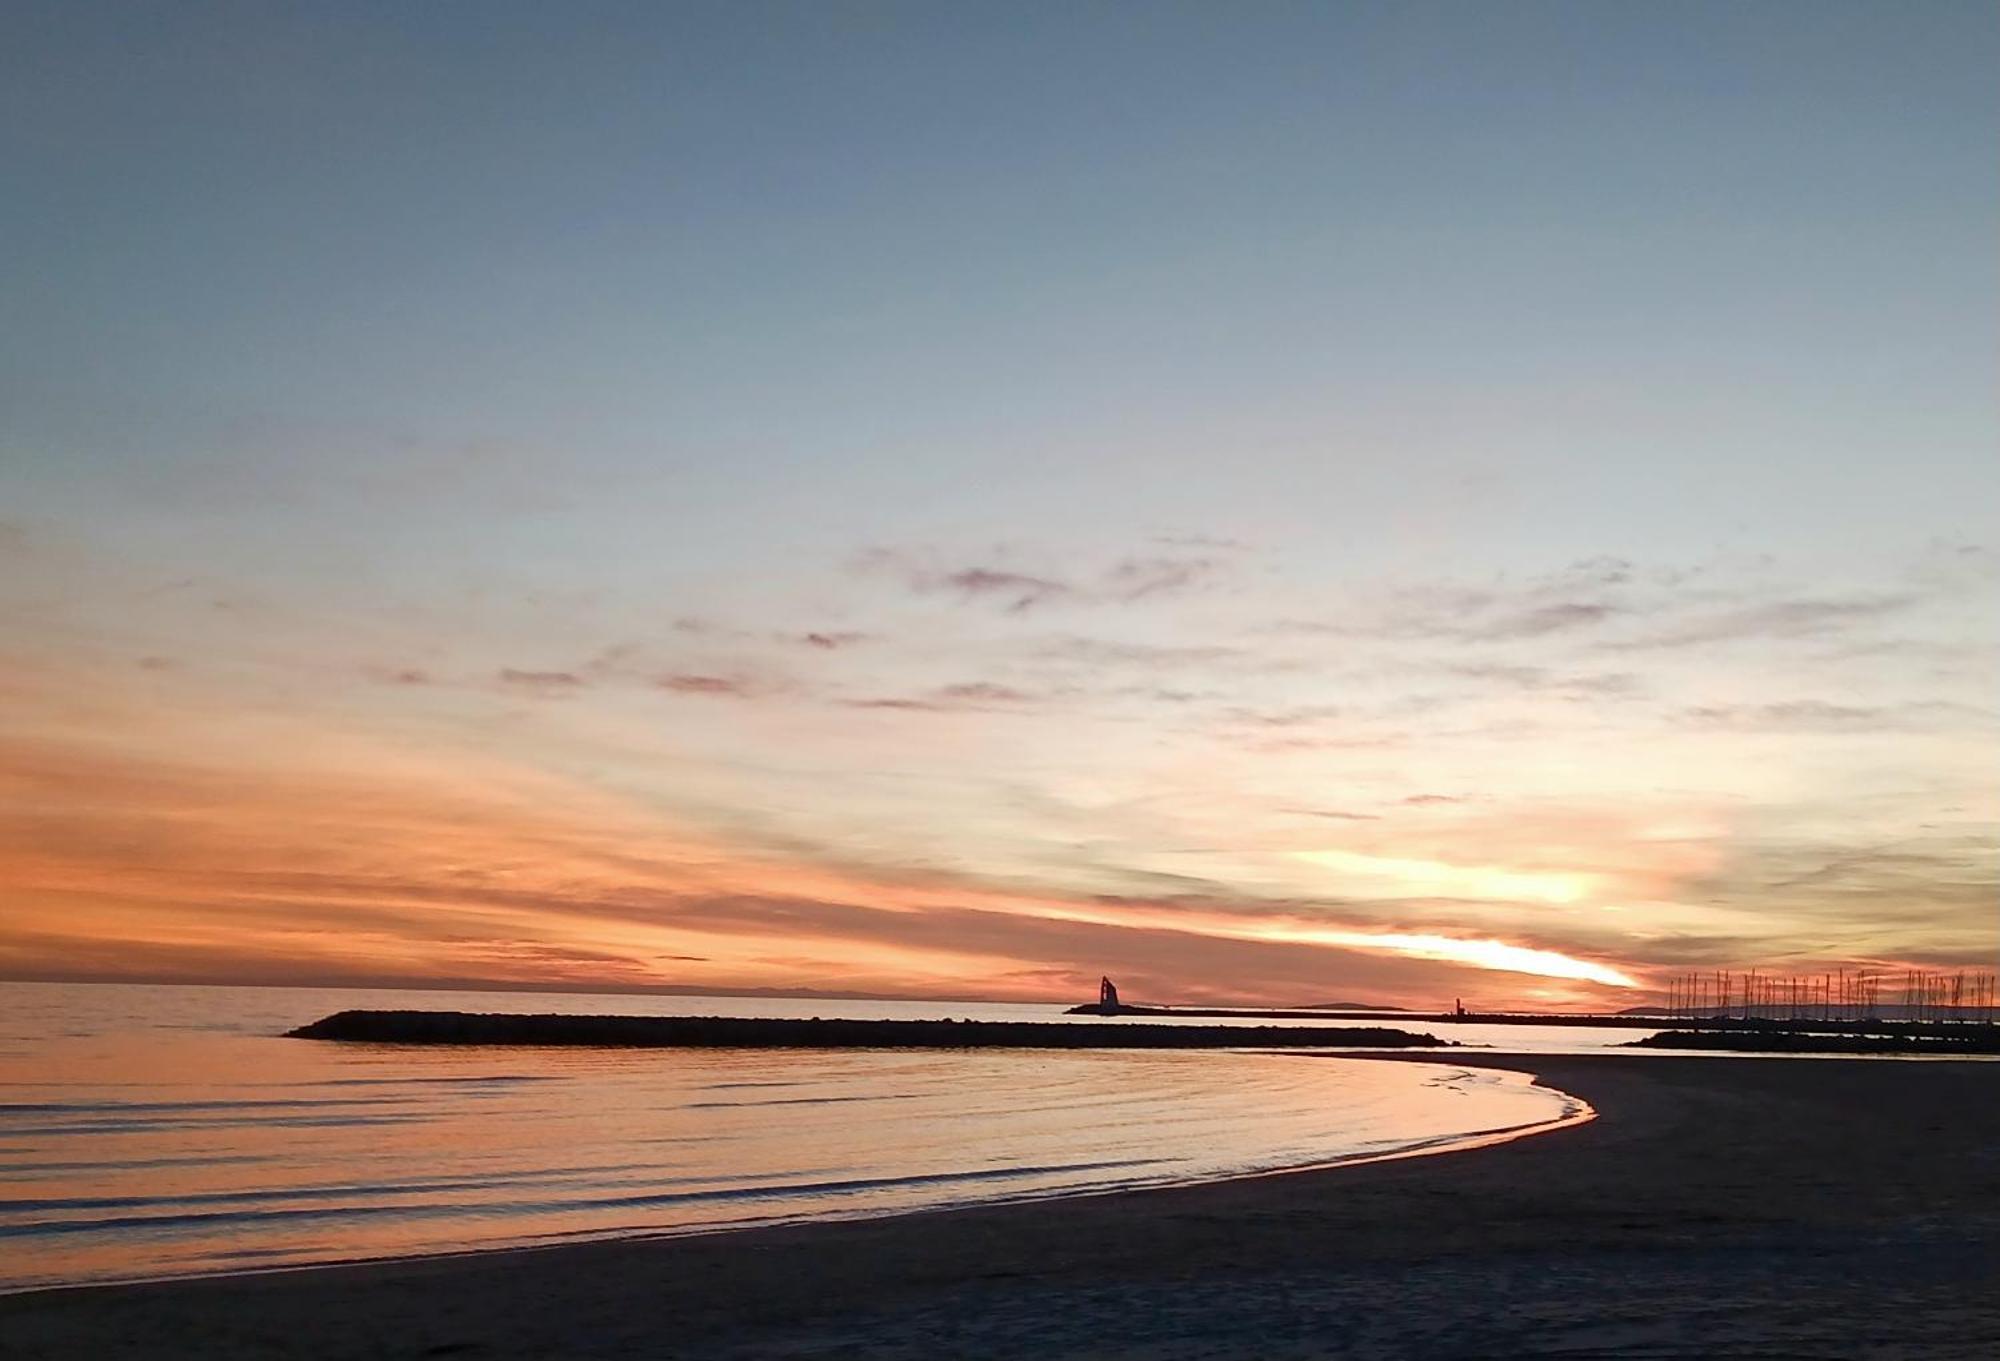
(167, 1131)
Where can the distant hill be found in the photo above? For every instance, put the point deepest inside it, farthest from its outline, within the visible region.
(1344, 1006)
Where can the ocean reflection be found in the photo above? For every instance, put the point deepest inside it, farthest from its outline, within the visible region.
(161, 1131)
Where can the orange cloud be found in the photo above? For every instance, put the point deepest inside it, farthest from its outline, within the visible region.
(128, 865)
(173, 833)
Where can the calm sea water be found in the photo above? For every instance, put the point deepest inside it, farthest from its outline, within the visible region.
(156, 1131)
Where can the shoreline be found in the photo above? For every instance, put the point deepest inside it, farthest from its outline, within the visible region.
(1440, 1146)
(1743, 1179)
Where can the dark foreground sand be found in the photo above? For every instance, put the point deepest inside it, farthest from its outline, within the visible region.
(1719, 1207)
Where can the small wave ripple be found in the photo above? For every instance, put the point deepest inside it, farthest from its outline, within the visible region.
(129, 1150)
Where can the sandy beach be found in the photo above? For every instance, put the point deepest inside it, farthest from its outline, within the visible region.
(1717, 1207)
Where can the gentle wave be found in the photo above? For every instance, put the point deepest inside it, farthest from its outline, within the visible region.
(262, 1152)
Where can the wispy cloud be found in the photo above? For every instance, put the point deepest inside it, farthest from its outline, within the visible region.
(984, 692)
(828, 641)
(1015, 590)
(1564, 617)
(546, 683)
(1823, 716)
(724, 687)
(1579, 598)
(1604, 684)
(1212, 543)
(1303, 715)
(1018, 590)
(1117, 652)
(1806, 617)
(1139, 578)
(1614, 605)
(957, 697)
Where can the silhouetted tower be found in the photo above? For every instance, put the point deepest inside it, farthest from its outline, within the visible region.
(1107, 996)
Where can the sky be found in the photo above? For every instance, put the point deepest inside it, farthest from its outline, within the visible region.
(1275, 503)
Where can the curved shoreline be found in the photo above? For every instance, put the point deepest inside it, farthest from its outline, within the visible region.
(1783, 1205)
(1578, 1112)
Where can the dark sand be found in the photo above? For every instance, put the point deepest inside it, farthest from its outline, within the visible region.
(1719, 1207)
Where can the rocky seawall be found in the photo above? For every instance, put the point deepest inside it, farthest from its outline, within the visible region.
(729, 1032)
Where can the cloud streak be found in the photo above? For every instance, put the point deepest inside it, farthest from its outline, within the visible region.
(428, 880)
(1823, 716)
(959, 697)
(716, 687)
(543, 683)
(1779, 619)
(1129, 581)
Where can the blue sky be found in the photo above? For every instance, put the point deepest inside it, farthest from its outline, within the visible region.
(1589, 407)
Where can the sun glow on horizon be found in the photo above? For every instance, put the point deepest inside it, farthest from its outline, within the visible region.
(1477, 953)
(1482, 954)
(674, 533)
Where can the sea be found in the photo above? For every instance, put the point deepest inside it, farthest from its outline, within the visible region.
(159, 1131)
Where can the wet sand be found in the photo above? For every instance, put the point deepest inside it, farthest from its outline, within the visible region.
(1717, 1207)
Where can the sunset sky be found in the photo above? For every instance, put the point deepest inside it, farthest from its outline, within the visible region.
(1270, 502)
